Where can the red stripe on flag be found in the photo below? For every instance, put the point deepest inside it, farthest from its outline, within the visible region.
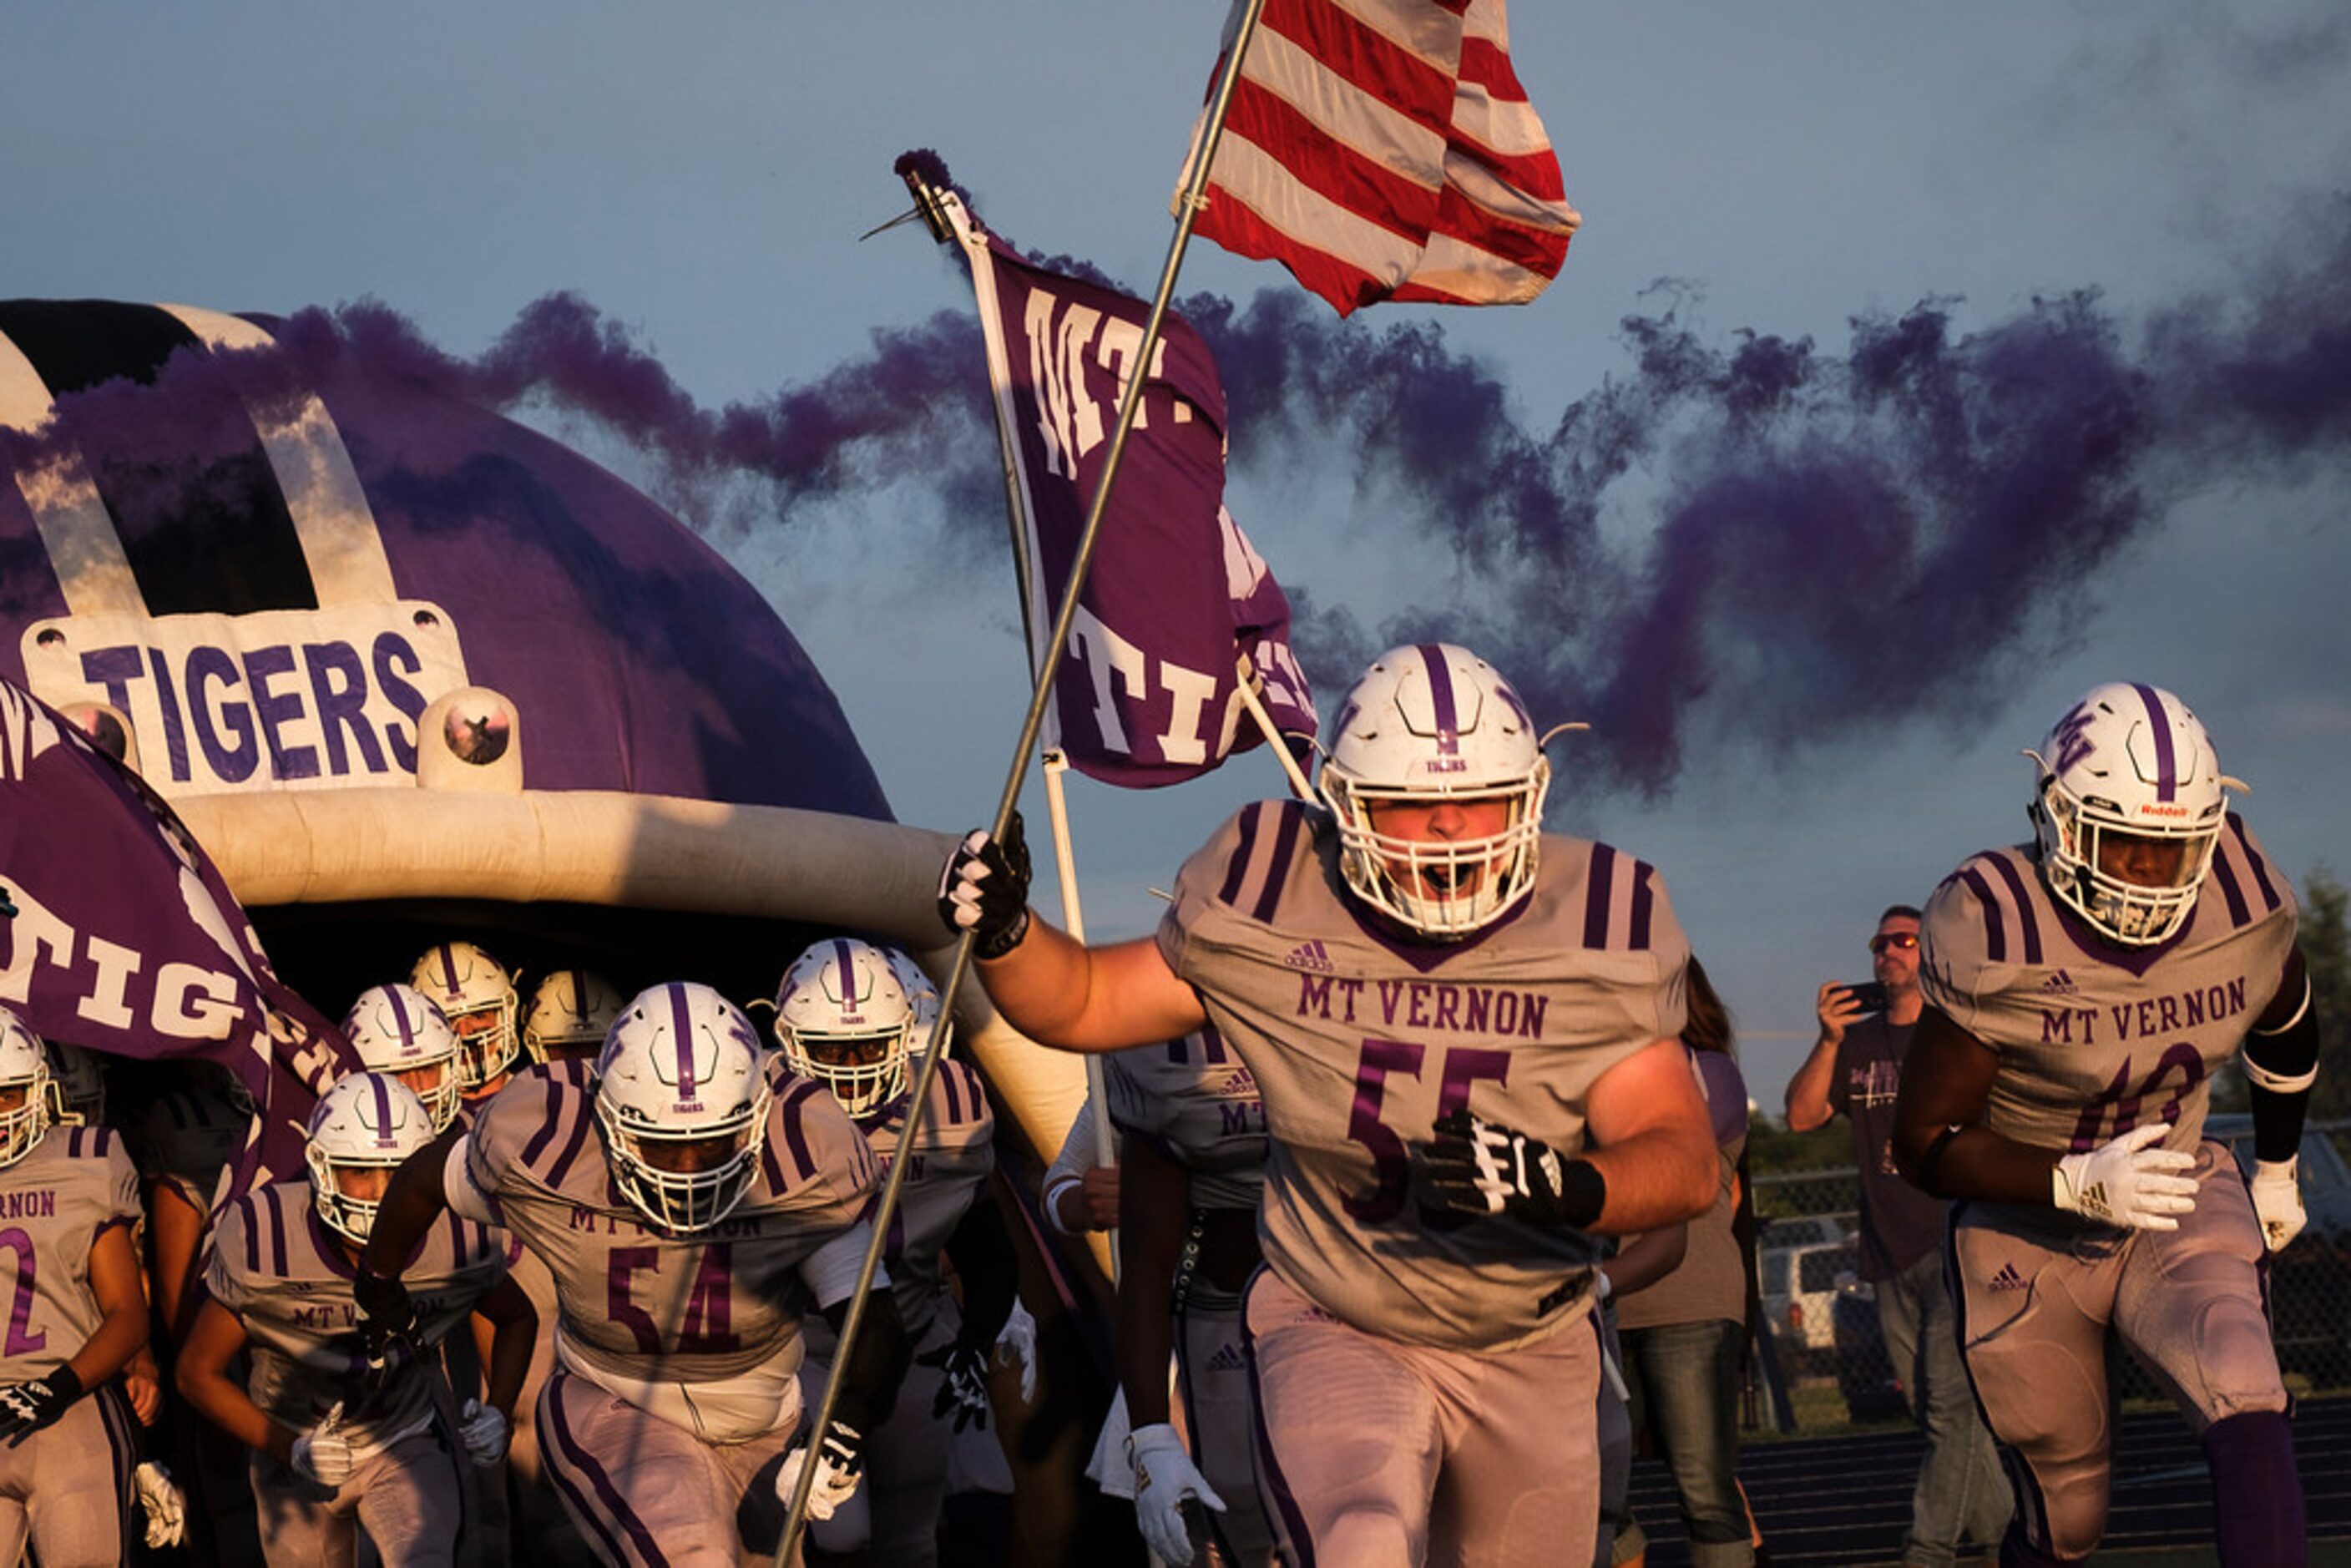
(1243, 233)
(1365, 58)
(1329, 167)
(1537, 250)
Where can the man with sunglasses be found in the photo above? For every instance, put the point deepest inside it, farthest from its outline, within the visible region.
(1854, 1069)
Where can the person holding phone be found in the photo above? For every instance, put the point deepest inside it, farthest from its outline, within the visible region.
(1854, 1069)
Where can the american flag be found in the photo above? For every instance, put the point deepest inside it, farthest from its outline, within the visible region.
(1385, 149)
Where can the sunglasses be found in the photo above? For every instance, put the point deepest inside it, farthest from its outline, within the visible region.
(1902, 940)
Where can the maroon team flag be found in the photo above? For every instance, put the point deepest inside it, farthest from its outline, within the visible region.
(1385, 149)
(1177, 599)
(126, 939)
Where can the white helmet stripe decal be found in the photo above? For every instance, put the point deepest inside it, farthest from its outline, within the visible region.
(331, 515)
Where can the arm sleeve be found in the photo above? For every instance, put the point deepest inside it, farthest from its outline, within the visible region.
(830, 1271)
(1076, 1158)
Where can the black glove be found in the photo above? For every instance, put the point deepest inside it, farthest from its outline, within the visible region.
(387, 1325)
(963, 1389)
(1473, 1166)
(27, 1407)
(984, 890)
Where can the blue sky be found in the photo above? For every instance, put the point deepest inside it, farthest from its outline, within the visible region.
(700, 175)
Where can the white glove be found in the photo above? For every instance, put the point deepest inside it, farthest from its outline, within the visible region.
(484, 1431)
(161, 1499)
(2128, 1182)
(839, 1468)
(1015, 1344)
(2277, 1201)
(1164, 1477)
(323, 1454)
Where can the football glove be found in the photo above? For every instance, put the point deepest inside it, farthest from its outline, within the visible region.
(165, 1506)
(2277, 1201)
(962, 1384)
(323, 1454)
(2126, 1181)
(387, 1326)
(1475, 1167)
(1017, 1345)
(840, 1465)
(27, 1407)
(484, 1430)
(984, 890)
(1165, 1477)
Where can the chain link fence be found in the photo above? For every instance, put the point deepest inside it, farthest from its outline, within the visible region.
(1820, 1364)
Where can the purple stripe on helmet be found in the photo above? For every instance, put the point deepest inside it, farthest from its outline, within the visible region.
(382, 1087)
(2239, 911)
(1237, 868)
(2029, 924)
(1995, 928)
(1442, 707)
(1645, 901)
(2166, 767)
(681, 1024)
(1599, 887)
(1276, 872)
(579, 997)
(400, 1021)
(607, 1506)
(2253, 862)
(847, 960)
(448, 952)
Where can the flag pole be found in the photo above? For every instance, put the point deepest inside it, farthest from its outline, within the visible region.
(1251, 699)
(1031, 725)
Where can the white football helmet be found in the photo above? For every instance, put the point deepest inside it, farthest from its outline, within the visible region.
(1431, 723)
(398, 1030)
(365, 1119)
(476, 994)
(843, 1018)
(923, 992)
(682, 1094)
(26, 1096)
(77, 1079)
(2129, 762)
(569, 1013)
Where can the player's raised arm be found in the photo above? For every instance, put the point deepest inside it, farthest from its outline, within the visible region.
(1050, 987)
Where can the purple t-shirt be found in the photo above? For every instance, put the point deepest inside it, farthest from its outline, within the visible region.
(1899, 1224)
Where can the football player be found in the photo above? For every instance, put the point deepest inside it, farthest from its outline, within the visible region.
(569, 1011)
(476, 994)
(692, 1204)
(1193, 1152)
(76, 1317)
(2082, 992)
(340, 1446)
(398, 1031)
(1462, 1031)
(844, 1018)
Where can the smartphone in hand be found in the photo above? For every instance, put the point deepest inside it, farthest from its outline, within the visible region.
(1870, 994)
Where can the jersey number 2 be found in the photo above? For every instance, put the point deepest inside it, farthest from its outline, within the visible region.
(22, 1339)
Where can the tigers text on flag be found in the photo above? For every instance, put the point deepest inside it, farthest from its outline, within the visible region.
(1385, 149)
(126, 939)
(1176, 598)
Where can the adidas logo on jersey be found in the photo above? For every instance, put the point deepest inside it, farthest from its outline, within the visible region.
(1228, 1358)
(2061, 984)
(1311, 955)
(2008, 1278)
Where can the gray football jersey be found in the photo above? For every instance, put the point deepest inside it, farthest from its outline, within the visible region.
(1195, 1098)
(1359, 1040)
(2094, 1038)
(639, 1302)
(951, 1165)
(74, 1183)
(286, 1276)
